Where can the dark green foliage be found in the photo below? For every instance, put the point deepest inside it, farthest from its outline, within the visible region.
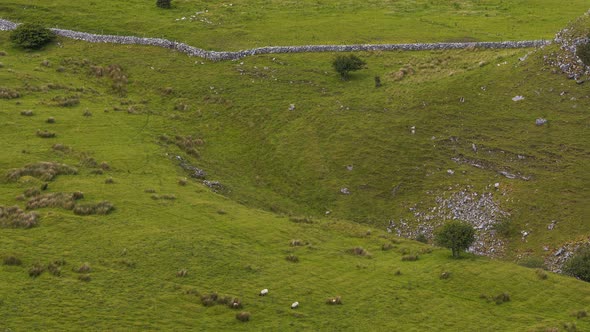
(344, 64)
(579, 265)
(583, 52)
(456, 236)
(31, 36)
(163, 3)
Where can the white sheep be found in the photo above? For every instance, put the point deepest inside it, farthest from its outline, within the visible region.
(294, 305)
(263, 292)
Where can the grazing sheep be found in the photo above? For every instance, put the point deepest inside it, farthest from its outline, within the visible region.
(294, 305)
(263, 292)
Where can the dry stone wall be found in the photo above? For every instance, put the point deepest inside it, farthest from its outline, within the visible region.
(218, 56)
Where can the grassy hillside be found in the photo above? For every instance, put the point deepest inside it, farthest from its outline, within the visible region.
(246, 24)
(123, 115)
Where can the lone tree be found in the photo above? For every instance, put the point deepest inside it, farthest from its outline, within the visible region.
(579, 265)
(455, 235)
(31, 36)
(344, 64)
(163, 3)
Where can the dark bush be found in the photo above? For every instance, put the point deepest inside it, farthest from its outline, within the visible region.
(163, 3)
(583, 52)
(455, 235)
(31, 36)
(344, 64)
(579, 265)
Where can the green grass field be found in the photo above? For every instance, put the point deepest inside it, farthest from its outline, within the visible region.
(247, 24)
(281, 170)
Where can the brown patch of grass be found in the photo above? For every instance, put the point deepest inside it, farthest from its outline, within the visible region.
(84, 268)
(7, 93)
(45, 134)
(12, 260)
(14, 217)
(36, 270)
(45, 171)
(57, 200)
(410, 258)
(292, 258)
(358, 251)
(243, 316)
(101, 208)
(334, 301)
(65, 101)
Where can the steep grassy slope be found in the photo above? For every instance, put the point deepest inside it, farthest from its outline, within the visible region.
(265, 155)
(246, 24)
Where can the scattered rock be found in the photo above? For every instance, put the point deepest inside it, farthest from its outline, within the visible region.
(413, 129)
(518, 98)
(345, 191)
(540, 121)
(292, 107)
(450, 172)
(349, 167)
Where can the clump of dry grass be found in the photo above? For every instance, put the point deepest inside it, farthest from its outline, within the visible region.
(14, 217)
(169, 197)
(7, 93)
(61, 148)
(84, 268)
(101, 208)
(109, 180)
(67, 101)
(188, 144)
(359, 251)
(84, 277)
(50, 120)
(45, 134)
(12, 260)
(59, 200)
(301, 220)
(292, 258)
(182, 273)
(26, 113)
(243, 316)
(334, 300)
(409, 258)
(36, 270)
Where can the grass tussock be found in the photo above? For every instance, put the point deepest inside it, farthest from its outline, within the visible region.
(334, 300)
(580, 314)
(182, 273)
(541, 274)
(65, 101)
(498, 299)
(27, 113)
(296, 243)
(359, 251)
(445, 275)
(14, 217)
(45, 134)
(100, 208)
(7, 93)
(301, 220)
(61, 148)
(12, 261)
(387, 246)
(84, 268)
(57, 200)
(168, 197)
(84, 277)
(36, 270)
(50, 120)
(109, 180)
(54, 269)
(409, 258)
(44, 170)
(243, 316)
(292, 258)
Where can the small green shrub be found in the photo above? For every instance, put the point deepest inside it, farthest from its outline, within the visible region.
(31, 36)
(541, 274)
(163, 4)
(583, 52)
(344, 64)
(579, 265)
(243, 316)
